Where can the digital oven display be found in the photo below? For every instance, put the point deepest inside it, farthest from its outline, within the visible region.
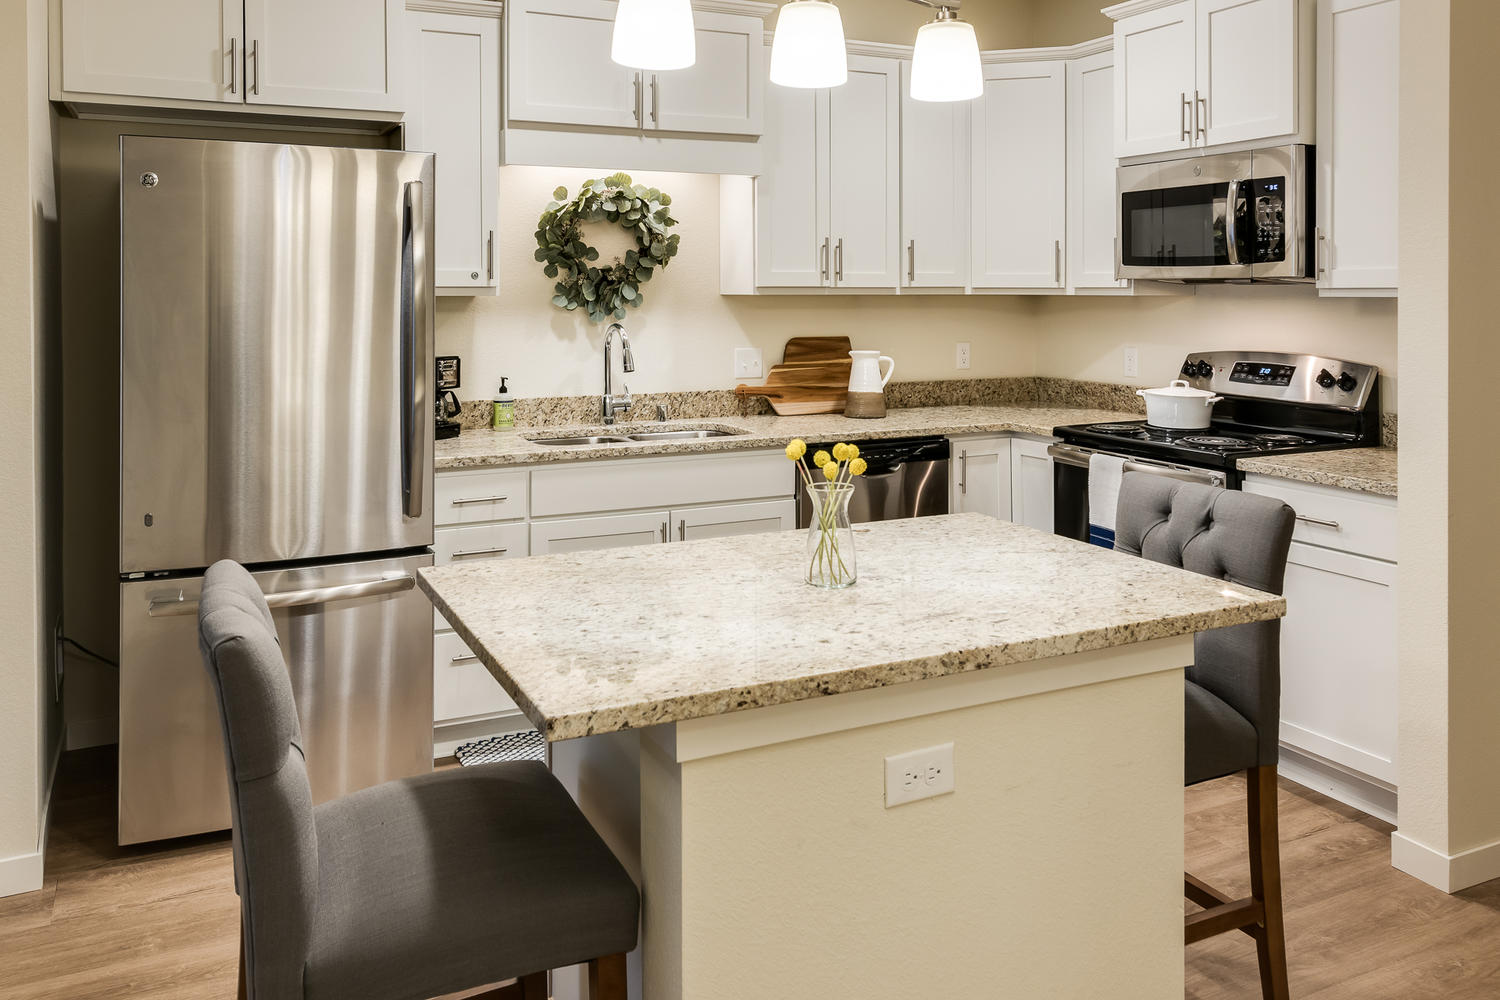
(1256, 374)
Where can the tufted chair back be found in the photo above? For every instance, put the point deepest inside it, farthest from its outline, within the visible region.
(275, 842)
(1238, 537)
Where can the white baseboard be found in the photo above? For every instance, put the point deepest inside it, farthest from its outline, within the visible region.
(85, 733)
(1448, 872)
(23, 873)
(1368, 795)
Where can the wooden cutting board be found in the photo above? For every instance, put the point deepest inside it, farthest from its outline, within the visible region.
(816, 349)
(812, 378)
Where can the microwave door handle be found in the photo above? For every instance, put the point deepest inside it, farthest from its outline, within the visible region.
(1231, 220)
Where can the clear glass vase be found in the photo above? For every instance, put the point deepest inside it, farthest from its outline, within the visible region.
(830, 538)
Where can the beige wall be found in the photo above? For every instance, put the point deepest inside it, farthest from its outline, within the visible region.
(28, 220)
(685, 333)
(1449, 749)
(1000, 24)
(1065, 22)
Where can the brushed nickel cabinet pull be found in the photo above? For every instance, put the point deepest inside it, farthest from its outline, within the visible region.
(682, 530)
(665, 526)
(639, 102)
(461, 501)
(479, 552)
(1183, 118)
(911, 262)
(233, 74)
(489, 255)
(838, 261)
(1057, 262)
(1319, 521)
(655, 100)
(963, 473)
(255, 58)
(1200, 126)
(823, 260)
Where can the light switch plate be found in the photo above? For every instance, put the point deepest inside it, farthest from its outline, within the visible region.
(961, 358)
(747, 363)
(1132, 362)
(918, 774)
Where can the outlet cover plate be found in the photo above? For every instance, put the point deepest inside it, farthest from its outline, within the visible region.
(747, 363)
(918, 774)
(1132, 362)
(961, 357)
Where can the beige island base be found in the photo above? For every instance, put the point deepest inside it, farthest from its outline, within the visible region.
(725, 727)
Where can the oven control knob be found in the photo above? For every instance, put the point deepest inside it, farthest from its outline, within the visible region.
(1347, 382)
(1326, 379)
(1189, 369)
(1205, 370)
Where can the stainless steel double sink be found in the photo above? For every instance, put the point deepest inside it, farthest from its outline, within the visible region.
(636, 437)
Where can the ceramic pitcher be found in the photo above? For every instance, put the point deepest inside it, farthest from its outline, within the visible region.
(867, 384)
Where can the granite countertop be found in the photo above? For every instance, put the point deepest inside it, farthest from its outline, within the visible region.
(1368, 470)
(721, 625)
(485, 448)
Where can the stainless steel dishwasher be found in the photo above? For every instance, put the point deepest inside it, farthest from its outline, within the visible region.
(907, 477)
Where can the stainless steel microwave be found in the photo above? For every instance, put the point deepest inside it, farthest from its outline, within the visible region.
(1225, 217)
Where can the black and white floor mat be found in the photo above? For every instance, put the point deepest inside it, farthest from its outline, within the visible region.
(525, 745)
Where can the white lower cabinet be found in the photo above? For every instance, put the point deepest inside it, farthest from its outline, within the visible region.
(734, 519)
(1031, 483)
(612, 531)
(1338, 641)
(980, 480)
(462, 687)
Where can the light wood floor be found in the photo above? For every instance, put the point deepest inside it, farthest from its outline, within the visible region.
(159, 922)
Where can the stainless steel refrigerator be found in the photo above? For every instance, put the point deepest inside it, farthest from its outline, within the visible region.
(276, 372)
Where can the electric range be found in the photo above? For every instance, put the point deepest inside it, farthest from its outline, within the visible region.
(1272, 404)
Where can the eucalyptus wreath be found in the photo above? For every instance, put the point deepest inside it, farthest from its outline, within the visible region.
(604, 291)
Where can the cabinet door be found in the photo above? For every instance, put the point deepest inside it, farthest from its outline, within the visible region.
(1359, 44)
(724, 91)
(343, 54)
(182, 49)
(454, 112)
(1019, 197)
(1247, 69)
(734, 519)
(1031, 484)
(1154, 79)
(934, 190)
(981, 477)
(559, 69)
(864, 156)
(1338, 659)
(1092, 213)
(791, 194)
(462, 687)
(582, 534)
(479, 541)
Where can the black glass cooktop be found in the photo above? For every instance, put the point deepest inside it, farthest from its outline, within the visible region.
(1215, 447)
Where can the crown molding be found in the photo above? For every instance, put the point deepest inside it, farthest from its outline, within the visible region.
(1055, 53)
(471, 8)
(1132, 7)
(752, 8)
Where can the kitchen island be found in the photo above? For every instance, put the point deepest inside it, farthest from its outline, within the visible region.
(726, 728)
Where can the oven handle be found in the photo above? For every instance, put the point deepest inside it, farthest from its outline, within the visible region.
(1071, 454)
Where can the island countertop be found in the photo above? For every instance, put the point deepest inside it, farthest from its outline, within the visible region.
(604, 641)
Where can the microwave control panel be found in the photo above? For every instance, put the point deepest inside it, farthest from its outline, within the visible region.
(1269, 202)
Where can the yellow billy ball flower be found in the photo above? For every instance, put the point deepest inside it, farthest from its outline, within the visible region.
(796, 449)
(821, 459)
(858, 467)
(830, 471)
(840, 452)
(852, 453)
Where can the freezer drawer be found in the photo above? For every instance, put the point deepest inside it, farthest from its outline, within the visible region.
(361, 671)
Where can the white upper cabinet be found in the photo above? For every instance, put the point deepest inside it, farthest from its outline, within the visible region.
(1247, 70)
(328, 54)
(558, 67)
(934, 190)
(1019, 177)
(828, 203)
(791, 194)
(1212, 73)
(559, 71)
(864, 156)
(1359, 69)
(127, 49)
(1091, 173)
(453, 111)
(1155, 66)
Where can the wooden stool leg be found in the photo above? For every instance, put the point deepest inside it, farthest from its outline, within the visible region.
(534, 986)
(607, 978)
(1265, 882)
(244, 990)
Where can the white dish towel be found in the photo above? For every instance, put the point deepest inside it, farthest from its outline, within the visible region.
(1105, 472)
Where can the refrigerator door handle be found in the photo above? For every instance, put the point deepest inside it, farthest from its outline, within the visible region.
(416, 341)
(173, 607)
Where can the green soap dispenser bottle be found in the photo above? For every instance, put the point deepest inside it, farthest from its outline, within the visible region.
(505, 408)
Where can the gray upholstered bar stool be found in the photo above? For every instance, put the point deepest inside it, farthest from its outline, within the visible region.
(1234, 685)
(447, 882)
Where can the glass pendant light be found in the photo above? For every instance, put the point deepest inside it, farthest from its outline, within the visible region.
(808, 50)
(945, 64)
(654, 35)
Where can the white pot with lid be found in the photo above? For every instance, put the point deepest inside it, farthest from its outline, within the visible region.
(1179, 406)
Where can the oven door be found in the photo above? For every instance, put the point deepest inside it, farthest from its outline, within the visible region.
(1186, 220)
(1070, 484)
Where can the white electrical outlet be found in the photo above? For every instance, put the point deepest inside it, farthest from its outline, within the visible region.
(918, 774)
(961, 359)
(1132, 362)
(747, 363)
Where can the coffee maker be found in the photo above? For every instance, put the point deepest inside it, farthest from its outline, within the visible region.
(447, 405)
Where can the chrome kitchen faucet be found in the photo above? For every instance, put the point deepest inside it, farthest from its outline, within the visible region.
(613, 404)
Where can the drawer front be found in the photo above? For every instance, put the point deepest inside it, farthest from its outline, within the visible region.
(677, 481)
(1336, 519)
(462, 687)
(482, 495)
(478, 541)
